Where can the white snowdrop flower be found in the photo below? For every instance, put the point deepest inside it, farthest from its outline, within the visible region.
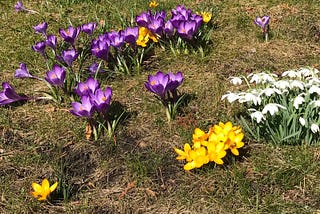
(302, 121)
(291, 74)
(282, 84)
(297, 84)
(272, 108)
(254, 78)
(231, 97)
(312, 81)
(257, 115)
(314, 89)
(235, 80)
(305, 72)
(314, 128)
(315, 103)
(250, 97)
(268, 77)
(298, 101)
(270, 91)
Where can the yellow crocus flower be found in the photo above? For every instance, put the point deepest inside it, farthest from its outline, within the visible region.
(184, 154)
(41, 192)
(206, 16)
(153, 4)
(199, 138)
(199, 158)
(216, 152)
(144, 35)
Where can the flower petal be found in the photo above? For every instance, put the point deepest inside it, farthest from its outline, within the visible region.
(53, 187)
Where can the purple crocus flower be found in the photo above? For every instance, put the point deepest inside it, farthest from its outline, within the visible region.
(168, 28)
(116, 39)
(175, 80)
(187, 29)
(87, 88)
(158, 84)
(101, 99)
(19, 6)
(156, 26)
(160, 15)
(69, 56)
(51, 41)
(100, 48)
(143, 19)
(94, 68)
(8, 95)
(131, 35)
(262, 22)
(69, 35)
(41, 28)
(56, 76)
(23, 72)
(83, 109)
(181, 10)
(198, 19)
(40, 47)
(89, 28)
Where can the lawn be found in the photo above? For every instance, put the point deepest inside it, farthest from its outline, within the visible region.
(135, 170)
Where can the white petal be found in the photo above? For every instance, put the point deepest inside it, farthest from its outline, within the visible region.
(302, 121)
(314, 128)
(297, 101)
(236, 80)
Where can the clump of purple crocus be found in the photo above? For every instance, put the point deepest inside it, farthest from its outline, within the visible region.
(165, 86)
(93, 99)
(99, 99)
(184, 22)
(263, 22)
(100, 47)
(154, 22)
(9, 95)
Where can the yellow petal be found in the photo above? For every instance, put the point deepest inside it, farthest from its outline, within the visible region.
(218, 161)
(44, 197)
(36, 187)
(221, 154)
(54, 186)
(179, 151)
(235, 151)
(240, 144)
(189, 166)
(187, 147)
(239, 137)
(35, 194)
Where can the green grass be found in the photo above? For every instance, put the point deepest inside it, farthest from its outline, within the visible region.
(43, 140)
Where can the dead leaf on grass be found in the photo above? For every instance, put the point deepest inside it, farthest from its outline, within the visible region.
(88, 131)
(130, 186)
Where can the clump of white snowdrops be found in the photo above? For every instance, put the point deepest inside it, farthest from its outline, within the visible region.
(283, 109)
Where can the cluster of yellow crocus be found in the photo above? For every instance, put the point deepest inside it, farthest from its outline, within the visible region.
(211, 146)
(144, 35)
